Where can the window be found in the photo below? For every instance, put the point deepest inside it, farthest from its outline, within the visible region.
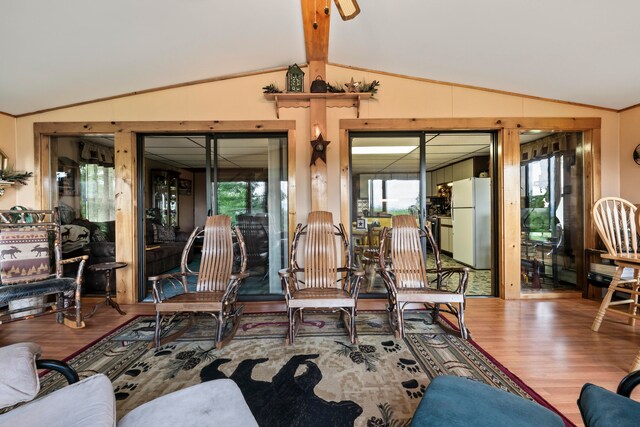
(97, 189)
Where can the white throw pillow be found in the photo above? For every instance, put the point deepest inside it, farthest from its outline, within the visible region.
(19, 380)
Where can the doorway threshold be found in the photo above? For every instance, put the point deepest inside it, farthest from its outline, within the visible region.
(550, 293)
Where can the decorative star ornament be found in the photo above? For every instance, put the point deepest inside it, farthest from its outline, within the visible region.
(352, 86)
(319, 149)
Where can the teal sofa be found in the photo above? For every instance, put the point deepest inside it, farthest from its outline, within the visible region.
(461, 402)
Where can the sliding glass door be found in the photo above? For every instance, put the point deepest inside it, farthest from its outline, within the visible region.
(551, 202)
(441, 178)
(188, 177)
(385, 174)
(250, 185)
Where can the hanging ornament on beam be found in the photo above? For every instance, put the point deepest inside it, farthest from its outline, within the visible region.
(319, 149)
(315, 15)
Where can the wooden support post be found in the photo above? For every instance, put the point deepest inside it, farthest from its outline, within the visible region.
(318, 124)
(126, 216)
(509, 212)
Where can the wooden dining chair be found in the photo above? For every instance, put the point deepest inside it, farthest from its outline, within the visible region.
(407, 278)
(216, 287)
(617, 224)
(321, 282)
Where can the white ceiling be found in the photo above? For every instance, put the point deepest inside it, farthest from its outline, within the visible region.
(187, 152)
(442, 149)
(54, 53)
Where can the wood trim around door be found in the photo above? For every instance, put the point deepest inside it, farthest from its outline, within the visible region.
(508, 179)
(126, 165)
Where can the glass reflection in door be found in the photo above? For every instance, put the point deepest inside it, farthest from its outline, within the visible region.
(551, 201)
(385, 182)
(251, 187)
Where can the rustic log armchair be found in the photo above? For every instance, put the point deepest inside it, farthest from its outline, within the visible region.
(217, 286)
(616, 222)
(319, 284)
(31, 267)
(406, 278)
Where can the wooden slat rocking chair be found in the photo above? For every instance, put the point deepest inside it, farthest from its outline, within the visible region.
(616, 222)
(217, 287)
(320, 284)
(406, 277)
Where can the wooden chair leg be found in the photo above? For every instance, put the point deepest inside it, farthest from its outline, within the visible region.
(636, 363)
(291, 324)
(435, 312)
(607, 300)
(158, 341)
(351, 324)
(220, 324)
(79, 321)
(156, 336)
(354, 336)
(234, 317)
(60, 306)
(633, 307)
(463, 328)
(400, 321)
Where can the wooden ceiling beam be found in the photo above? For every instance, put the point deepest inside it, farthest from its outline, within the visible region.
(316, 40)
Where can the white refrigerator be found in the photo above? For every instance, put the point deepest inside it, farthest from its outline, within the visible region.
(471, 219)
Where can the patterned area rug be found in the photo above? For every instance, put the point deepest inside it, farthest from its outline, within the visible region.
(320, 380)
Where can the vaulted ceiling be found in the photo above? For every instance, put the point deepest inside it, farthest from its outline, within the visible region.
(55, 53)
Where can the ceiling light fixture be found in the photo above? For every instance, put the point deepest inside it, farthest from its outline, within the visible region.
(348, 9)
(394, 149)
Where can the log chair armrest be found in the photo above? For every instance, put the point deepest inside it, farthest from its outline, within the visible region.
(231, 293)
(445, 273)
(158, 295)
(238, 276)
(353, 283)
(74, 259)
(358, 272)
(628, 383)
(388, 277)
(82, 260)
(448, 270)
(63, 368)
(287, 277)
(285, 272)
(161, 277)
(386, 268)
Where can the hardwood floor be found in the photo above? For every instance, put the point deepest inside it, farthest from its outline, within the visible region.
(547, 343)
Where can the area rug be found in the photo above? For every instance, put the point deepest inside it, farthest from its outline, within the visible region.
(320, 380)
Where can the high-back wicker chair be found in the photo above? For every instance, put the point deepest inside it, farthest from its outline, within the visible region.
(216, 287)
(320, 284)
(616, 222)
(407, 278)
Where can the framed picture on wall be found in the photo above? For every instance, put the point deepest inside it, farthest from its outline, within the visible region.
(184, 187)
(68, 177)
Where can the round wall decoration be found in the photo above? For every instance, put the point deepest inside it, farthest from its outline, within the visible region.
(636, 154)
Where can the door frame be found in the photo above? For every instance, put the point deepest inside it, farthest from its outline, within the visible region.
(127, 165)
(507, 180)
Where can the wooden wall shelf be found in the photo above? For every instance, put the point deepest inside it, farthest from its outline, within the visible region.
(302, 100)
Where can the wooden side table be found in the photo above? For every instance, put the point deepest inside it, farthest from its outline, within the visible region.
(107, 267)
